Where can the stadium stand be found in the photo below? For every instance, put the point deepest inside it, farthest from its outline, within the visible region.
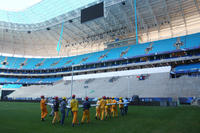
(129, 85)
(141, 50)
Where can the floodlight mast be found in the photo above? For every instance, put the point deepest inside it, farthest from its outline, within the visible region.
(128, 85)
(128, 89)
(72, 80)
(72, 77)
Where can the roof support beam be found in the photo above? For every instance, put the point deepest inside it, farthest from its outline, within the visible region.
(183, 14)
(196, 4)
(151, 10)
(154, 16)
(126, 18)
(168, 17)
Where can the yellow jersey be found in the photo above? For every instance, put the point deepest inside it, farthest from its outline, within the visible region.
(102, 103)
(121, 105)
(114, 105)
(43, 104)
(110, 101)
(74, 105)
(107, 102)
(98, 105)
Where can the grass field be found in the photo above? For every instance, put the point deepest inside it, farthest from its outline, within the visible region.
(25, 118)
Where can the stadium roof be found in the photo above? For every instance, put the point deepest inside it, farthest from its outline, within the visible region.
(42, 11)
(17, 5)
(157, 19)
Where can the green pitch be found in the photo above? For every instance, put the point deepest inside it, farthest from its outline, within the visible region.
(25, 118)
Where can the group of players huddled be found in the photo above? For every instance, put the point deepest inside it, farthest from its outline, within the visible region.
(106, 108)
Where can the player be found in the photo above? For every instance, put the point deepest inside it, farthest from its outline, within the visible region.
(56, 110)
(69, 107)
(43, 107)
(121, 106)
(107, 108)
(86, 112)
(62, 109)
(114, 107)
(110, 107)
(125, 106)
(98, 112)
(74, 108)
(102, 106)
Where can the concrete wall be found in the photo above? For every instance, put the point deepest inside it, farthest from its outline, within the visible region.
(156, 85)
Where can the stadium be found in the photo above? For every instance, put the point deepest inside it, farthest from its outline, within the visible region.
(145, 52)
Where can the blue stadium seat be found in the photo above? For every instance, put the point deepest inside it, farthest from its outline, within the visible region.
(17, 63)
(47, 63)
(137, 50)
(193, 41)
(31, 63)
(95, 57)
(114, 53)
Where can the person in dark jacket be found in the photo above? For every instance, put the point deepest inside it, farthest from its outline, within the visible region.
(62, 110)
(121, 106)
(86, 112)
(56, 110)
(125, 106)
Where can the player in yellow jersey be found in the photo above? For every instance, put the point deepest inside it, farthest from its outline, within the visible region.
(74, 108)
(114, 107)
(98, 112)
(107, 108)
(102, 107)
(121, 106)
(43, 107)
(110, 107)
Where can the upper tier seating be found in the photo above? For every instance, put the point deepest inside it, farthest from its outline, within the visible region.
(140, 50)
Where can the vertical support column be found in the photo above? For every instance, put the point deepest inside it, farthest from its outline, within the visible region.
(86, 91)
(72, 80)
(128, 86)
(136, 32)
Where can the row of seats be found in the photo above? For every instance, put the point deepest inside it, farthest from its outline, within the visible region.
(156, 47)
(11, 80)
(12, 86)
(187, 68)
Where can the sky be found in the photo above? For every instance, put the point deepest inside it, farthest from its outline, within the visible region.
(16, 5)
